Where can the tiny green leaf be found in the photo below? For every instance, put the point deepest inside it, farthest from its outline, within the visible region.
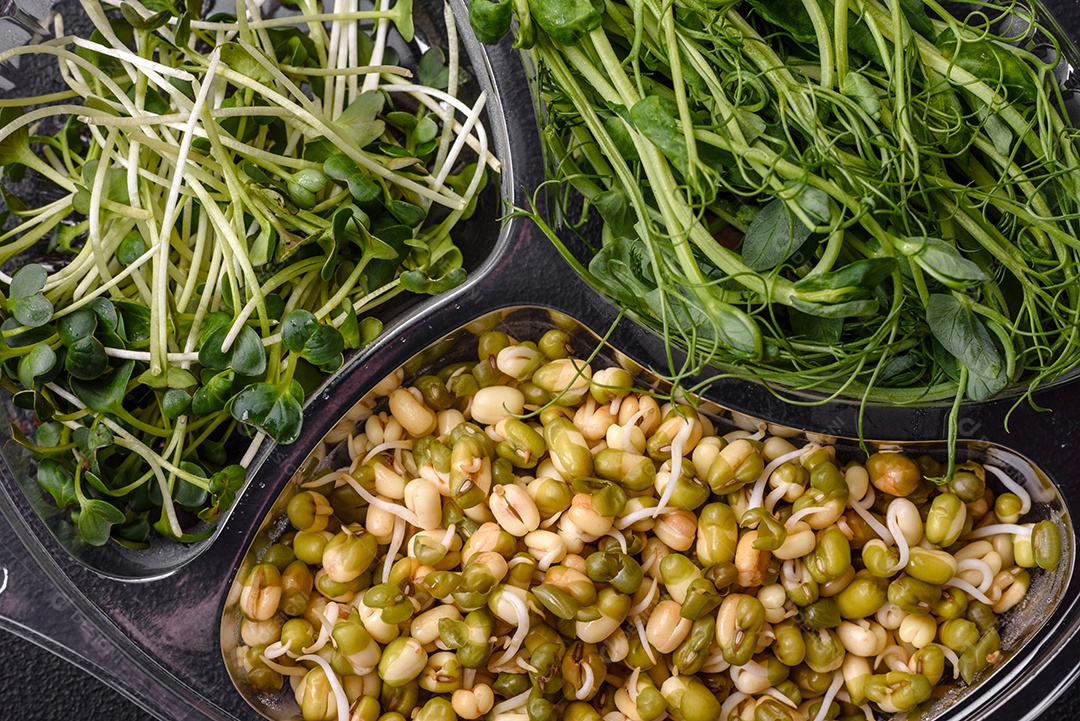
(27, 281)
(246, 356)
(273, 409)
(85, 359)
(76, 326)
(175, 403)
(173, 377)
(344, 171)
(57, 481)
(224, 486)
(239, 59)
(213, 396)
(105, 394)
(963, 334)
(33, 311)
(96, 519)
(38, 362)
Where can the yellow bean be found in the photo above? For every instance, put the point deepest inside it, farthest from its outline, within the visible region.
(411, 412)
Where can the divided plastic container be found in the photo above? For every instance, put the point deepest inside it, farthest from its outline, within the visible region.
(151, 623)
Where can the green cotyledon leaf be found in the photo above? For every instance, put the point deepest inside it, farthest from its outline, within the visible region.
(274, 409)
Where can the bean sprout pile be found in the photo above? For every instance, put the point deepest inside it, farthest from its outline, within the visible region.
(528, 537)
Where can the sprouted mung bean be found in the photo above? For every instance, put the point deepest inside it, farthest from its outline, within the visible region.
(605, 556)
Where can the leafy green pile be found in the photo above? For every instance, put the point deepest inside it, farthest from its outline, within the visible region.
(851, 197)
(233, 198)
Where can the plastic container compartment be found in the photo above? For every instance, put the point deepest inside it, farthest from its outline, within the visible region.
(152, 626)
(1025, 638)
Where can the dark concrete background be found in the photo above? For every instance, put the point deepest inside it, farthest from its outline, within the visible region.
(35, 685)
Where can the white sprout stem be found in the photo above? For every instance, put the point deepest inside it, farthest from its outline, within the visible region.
(395, 545)
(252, 449)
(650, 596)
(619, 537)
(730, 703)
(952, 657)
(283, 669)
(470, 122)
(339, 692)
(803, 513)
(678, 450)
(982, 567)
(826, 702)
(995, 529)
(511, 703)
(763, 478)
(275, 650)
(1034, 487)
(522, 629)
(159, 341)
(780, 697)
(640, 627)
(429, 97)
(149, 67)
(371, 82)
(326, 625)
(387, 446)
(1008, 482)
(871, 520)
(969, 589)
(589, 684)
(898, 537)
(452, 64)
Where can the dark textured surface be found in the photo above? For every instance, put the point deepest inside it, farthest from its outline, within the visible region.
(38, 686)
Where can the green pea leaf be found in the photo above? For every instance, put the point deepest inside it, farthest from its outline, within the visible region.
(273, 409)
(49, 435)
(820, 330)
(654, 117)
(773, 236)
(943, 262)
(224, 486)
(962, 333)
(85, 359)
(57, 481)
(214, 394)
(854, 280)
(246, 356)
(96, 519)
(490, 19)
(16, 146)
(134, 533)
(432, 70)
(565, 22)
(147, 24)
(350, 328)
(845, 309)
(40, 361)
(104, 394)
(27, 281)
